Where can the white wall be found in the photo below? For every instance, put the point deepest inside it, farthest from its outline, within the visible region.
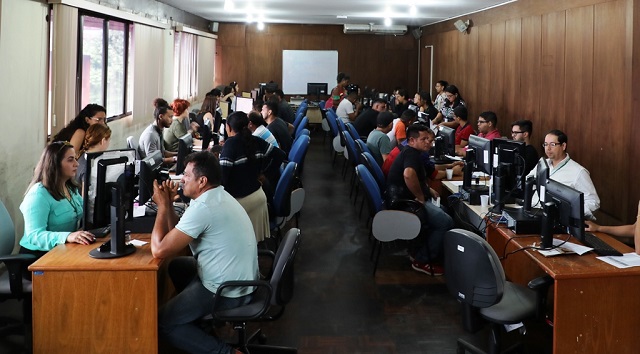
(23, 79)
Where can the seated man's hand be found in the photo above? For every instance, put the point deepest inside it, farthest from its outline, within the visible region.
(165, 193)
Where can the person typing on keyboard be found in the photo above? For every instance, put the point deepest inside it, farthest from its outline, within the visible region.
(623, 231)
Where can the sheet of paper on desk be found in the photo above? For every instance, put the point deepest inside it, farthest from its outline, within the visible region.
(139, 210)
(566, 248)
(627, 260)
(456, 183)
(138, 243)
(456, 158)
(479, 174)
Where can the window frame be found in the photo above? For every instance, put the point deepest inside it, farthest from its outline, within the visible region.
(128, 27)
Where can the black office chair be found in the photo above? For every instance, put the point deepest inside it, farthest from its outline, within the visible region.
(269, 298)
(476, 278)
(12, 284)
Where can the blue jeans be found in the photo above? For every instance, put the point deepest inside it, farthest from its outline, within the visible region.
(177, 317)
(438, 223)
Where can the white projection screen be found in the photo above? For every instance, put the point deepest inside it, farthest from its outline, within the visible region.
(300, 67)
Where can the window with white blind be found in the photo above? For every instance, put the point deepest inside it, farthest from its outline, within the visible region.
(185, 73)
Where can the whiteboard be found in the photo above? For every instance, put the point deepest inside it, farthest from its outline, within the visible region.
(302, 66)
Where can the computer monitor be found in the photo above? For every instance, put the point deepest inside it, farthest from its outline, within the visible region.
(445, 144)
(255, 93)
(508, 171)
(563, 211)
(124, 181)
(244, 104)
(317, 89)
(150, 170)
(185, 147)
(482, 148)
(92, 219)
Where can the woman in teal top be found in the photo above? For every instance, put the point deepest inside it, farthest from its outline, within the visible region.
(52, 206)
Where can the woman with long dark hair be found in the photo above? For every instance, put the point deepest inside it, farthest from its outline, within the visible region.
(74, 131)
(454, 99)
(52, 205)
(250, 166)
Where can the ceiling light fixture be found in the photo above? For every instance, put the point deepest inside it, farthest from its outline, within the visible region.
(413, 10)
(229, 5)
(387, 21)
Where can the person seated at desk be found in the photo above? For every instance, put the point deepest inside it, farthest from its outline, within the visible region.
(399, 130)
(454, 99)
(219, 233)
(521, 131)
(566, 171)
(52, 205)
(258, 128)
(487, 128)
(366, 122)
(408, 180)
(151, 138)
(378, 141)
(284, 109)
(425, 106)
(349, 108)
(401, 101)
(464, 129)
(250, 171)
(209, 119)
(97, 138)
(624, 231)
(433, 171)
(177, 128)
(278, 127)
(76, 129)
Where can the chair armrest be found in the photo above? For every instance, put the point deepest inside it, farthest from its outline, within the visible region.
(15, 264)
(262, 253)
(255, 308)
(406, 205)
(541, 286)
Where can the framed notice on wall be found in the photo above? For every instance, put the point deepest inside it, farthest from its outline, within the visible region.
(300, 67)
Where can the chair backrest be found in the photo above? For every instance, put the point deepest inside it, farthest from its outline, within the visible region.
(297, 120)
(303, 132)
(374, 197)
(297, 200)
(282, 278)
(350, 144)
(7, 232)
(302, 125)
(333, 124)
(133, 144)
(390, 225)
(361, 147)
(299, 149)
(370, 162)
(352, 130)
(282, 193)
(474, 273)
(302, 108)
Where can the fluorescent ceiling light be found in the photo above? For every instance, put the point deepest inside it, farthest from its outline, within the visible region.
(229, 5)
(387, 21)
(413, 10)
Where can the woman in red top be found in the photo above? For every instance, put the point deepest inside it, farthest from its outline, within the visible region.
(339, 92)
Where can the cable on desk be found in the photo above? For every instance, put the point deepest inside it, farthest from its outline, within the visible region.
(533, 247)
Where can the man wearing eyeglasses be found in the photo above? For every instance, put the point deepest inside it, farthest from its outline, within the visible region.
(488, 125)
(521, 131)
(568, 172)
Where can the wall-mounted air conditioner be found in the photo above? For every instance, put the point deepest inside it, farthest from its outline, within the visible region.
(374, 29)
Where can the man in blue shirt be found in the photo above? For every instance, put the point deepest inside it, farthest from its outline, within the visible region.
(220, 235)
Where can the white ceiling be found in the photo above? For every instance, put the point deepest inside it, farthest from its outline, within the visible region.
(325, 11)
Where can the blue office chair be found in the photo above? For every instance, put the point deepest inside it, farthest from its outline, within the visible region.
(352, 130)
(335, 135)
(280, 207)
(296, 122)
(303, 132)
(302, 125)
(302, 108)
(361, 147)
(12, 284)
(370, 163)
(387, 225)
(299, 151)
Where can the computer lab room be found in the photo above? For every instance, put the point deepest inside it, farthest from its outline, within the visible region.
(252, 176)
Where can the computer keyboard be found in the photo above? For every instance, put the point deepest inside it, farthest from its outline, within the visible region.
(600, 247)
(101, 231)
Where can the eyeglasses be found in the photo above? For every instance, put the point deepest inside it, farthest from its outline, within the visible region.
(551, 144)
(482, 121)
(513, 132)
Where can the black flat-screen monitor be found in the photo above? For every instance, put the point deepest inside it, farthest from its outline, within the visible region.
(564, 212)
(316, 89)
(150, 170)
(509, 170)
(185, 147)
(542, 176)
(243, 104)
(482, 148)
(445, 143)
(94, 180)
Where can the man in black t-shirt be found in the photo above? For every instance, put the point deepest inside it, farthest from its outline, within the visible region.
(407, 179)
(277, 126)
(521, 131)
(366, 122)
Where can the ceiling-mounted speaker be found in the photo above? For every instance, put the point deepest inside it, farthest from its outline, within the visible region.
(416, 32)
(213, 26)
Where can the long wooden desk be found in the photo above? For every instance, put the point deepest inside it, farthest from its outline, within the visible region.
(87, 305)
(595, 304)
